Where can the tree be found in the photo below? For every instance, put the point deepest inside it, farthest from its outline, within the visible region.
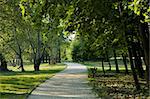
(45, 17)
(3, 63)
(97, 22)
(12, 30)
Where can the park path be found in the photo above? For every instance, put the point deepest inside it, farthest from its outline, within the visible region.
(71, 83)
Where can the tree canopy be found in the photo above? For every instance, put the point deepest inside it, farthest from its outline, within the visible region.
(35, 29)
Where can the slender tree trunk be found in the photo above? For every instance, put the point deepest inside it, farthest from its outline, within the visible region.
(21, 64)
(109, 64)
(129, 43)
(138, 61)
(117, 68)
(140, 67)
(130, 47)
(49, 60)
(43, 58)
(133, 70)
(37, 56)
(148, 67)
(125, 63)
(46, 59)
(146, 52)
(59, 55)
(139, 55)
(144, 32)
(108, 61)
(103, 66)
(20, 57)
(20, 52)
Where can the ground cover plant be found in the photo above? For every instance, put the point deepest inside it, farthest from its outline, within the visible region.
(17, 85)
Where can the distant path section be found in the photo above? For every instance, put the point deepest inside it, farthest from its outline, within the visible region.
(69, 84)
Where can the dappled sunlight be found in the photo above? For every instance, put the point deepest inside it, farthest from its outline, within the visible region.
(73, 76)
(20, 84)
(70, 83)
(112, 33)
(117, 85)
(61, 97)
(30, 68)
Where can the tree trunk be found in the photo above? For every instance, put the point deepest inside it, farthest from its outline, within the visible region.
(139, 55)
(108, 61)
(53, 60)
(43, 58)
(21, 64)
(117, 68)
(59, 55)
(46, 58)
(37, 63)
(133, 70)
(128, 33)
(125, 63)
(37, 56)
(138, 61)
(103, 66)
(3, 65)
(129, 43)
(36, 67)
(49, 60)
(109, 64)
(144, 33)
(20, 57)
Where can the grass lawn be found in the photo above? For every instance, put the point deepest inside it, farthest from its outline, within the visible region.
(17, 85)
(91, 64)
(98, 64)
(115, 85)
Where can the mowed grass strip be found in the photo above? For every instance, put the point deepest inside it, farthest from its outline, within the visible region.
(17, 85)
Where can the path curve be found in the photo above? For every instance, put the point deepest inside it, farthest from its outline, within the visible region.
(70, 83)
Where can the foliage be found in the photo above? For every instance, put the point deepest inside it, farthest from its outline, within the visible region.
(33, 29)
(141, 7)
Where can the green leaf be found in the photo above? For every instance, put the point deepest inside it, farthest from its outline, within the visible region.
(22, 9)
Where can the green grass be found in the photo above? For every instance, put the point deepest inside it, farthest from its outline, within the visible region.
(91, 64)
(98, 64)
(17, 85)
(114, 85)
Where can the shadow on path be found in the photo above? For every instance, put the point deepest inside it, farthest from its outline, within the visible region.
(68, 84)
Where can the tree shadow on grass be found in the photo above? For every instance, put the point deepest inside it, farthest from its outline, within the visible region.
(13, 73)
(28, 78)
(5, 95)
(15, 82)
(113, 72)
(117, 85)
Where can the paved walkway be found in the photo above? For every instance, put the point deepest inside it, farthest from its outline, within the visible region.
(68, 84)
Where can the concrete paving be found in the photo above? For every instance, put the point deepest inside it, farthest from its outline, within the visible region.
(69, 84)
